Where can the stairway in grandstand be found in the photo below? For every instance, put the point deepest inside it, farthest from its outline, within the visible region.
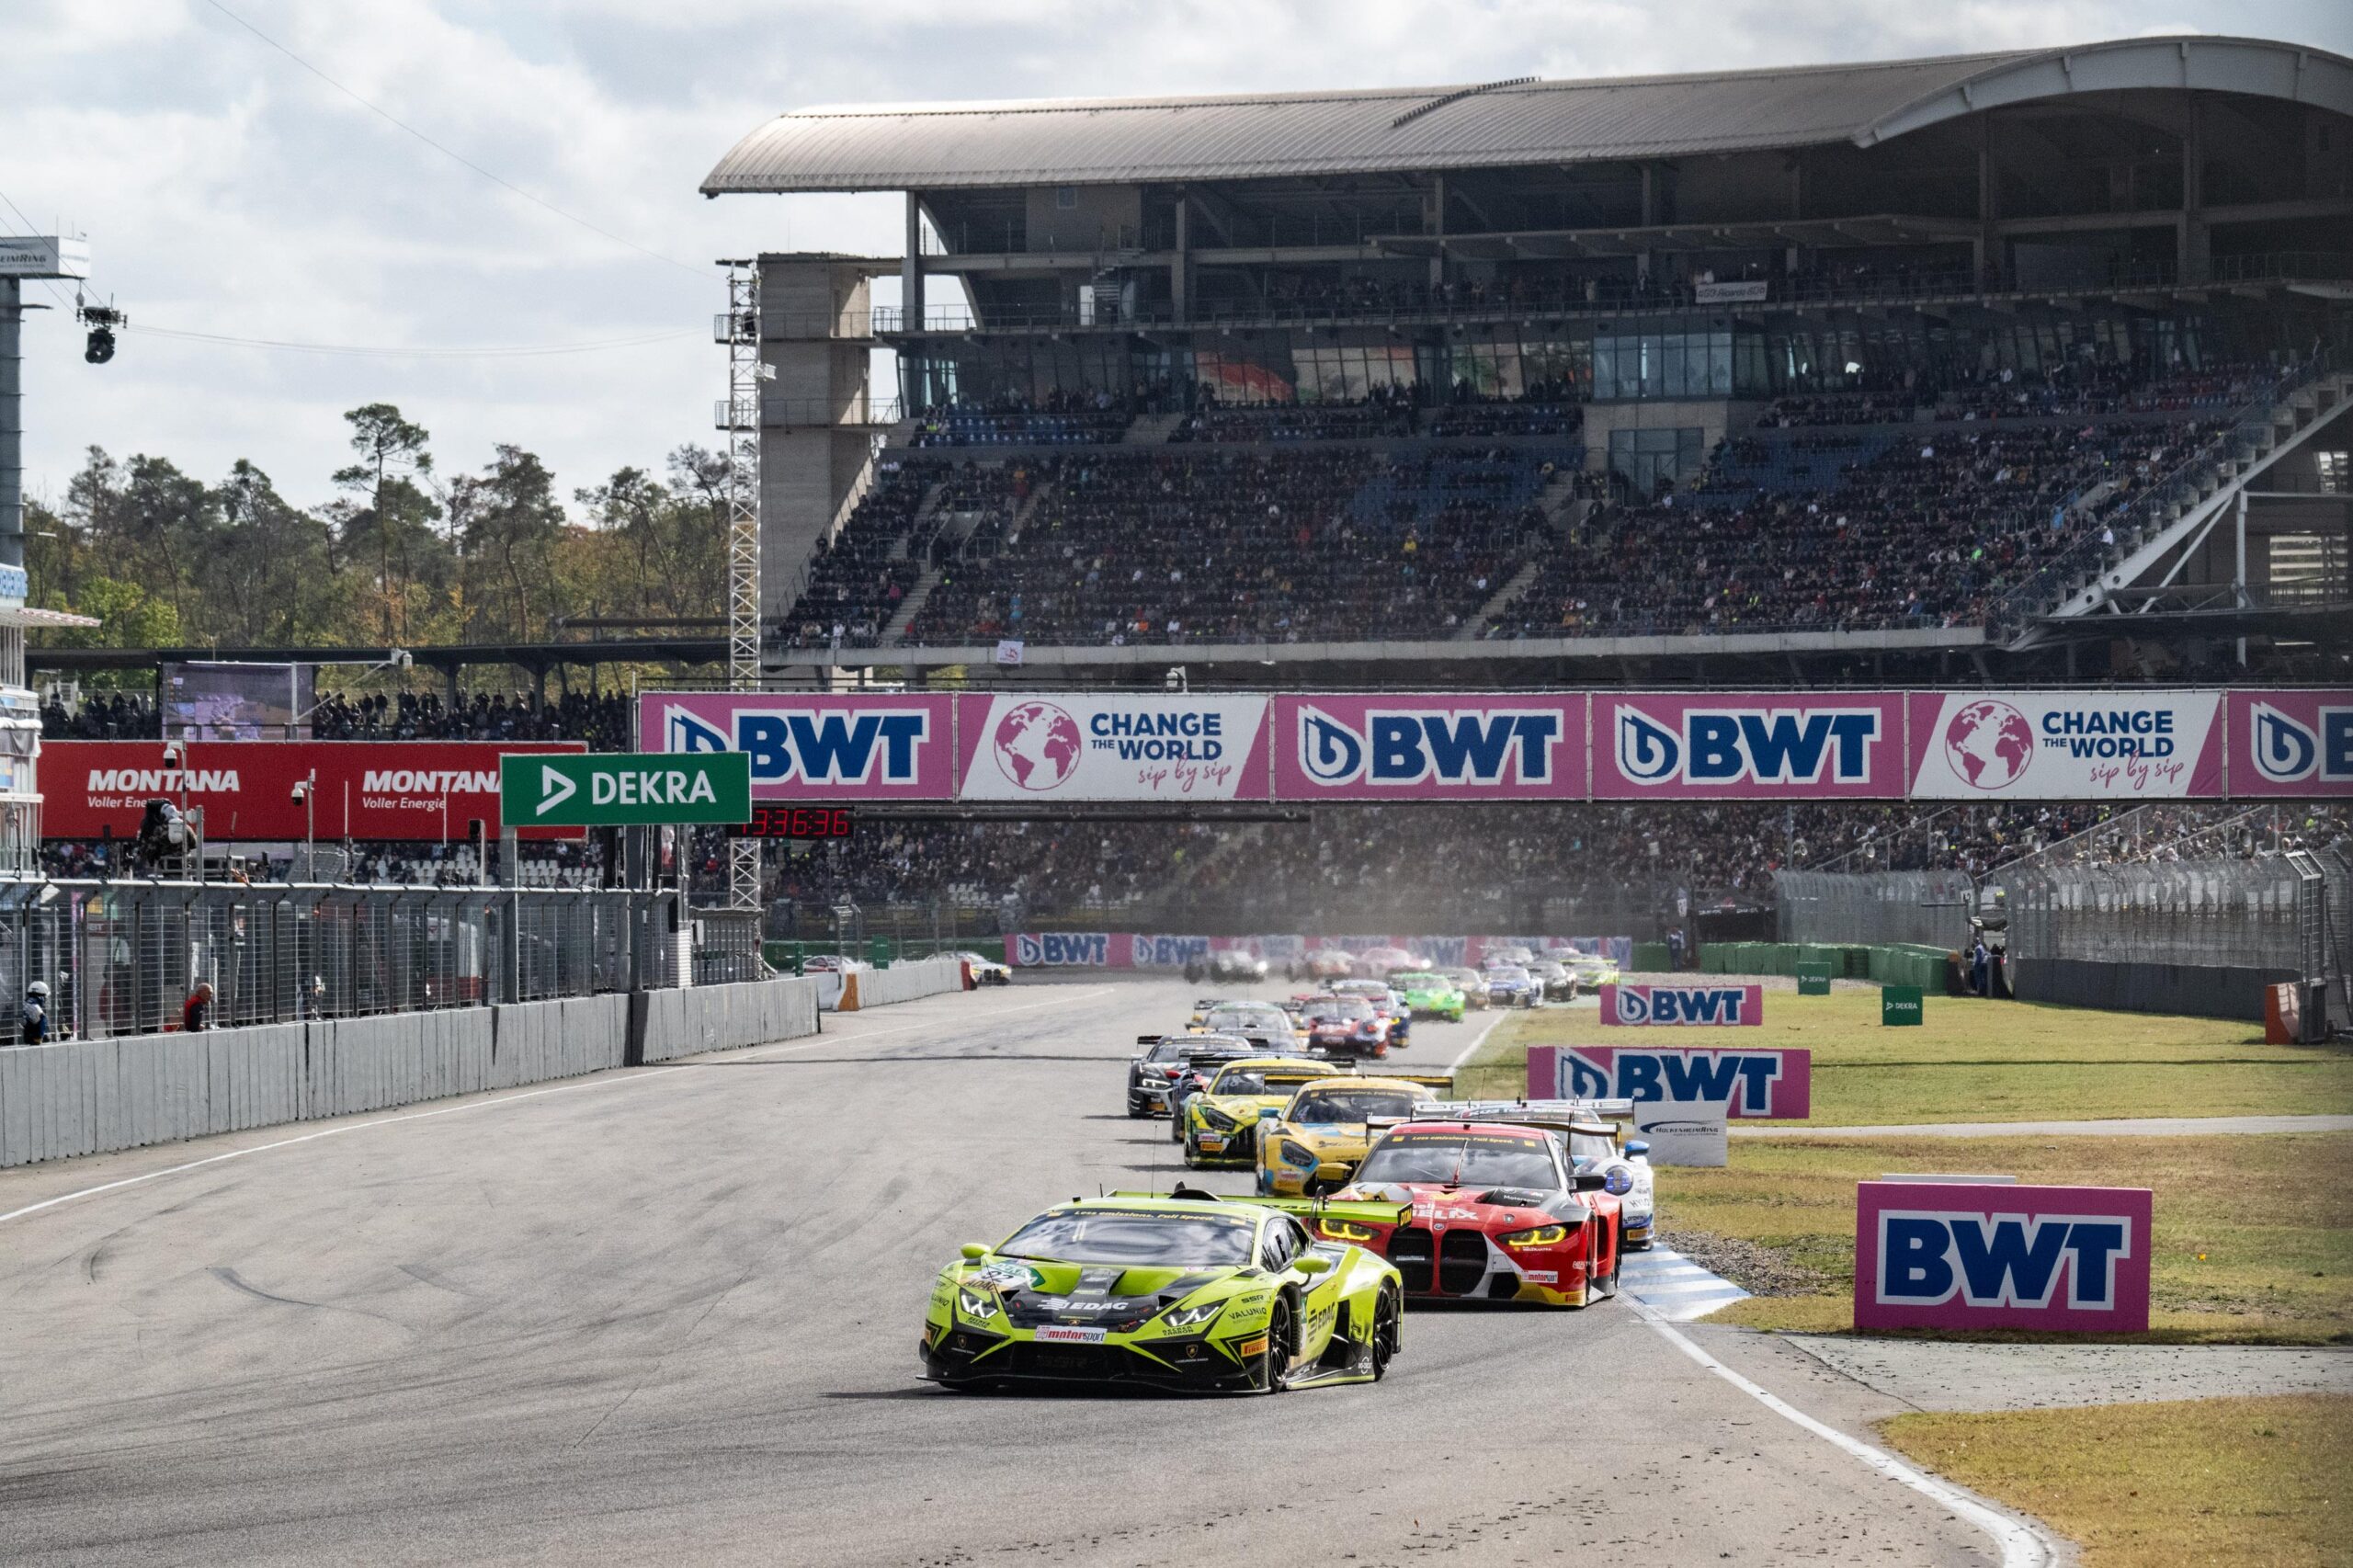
(2155, 551)
(895, 632)
(1476, 626)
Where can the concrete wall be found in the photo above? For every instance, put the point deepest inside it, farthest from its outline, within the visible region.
(906, 981)
(2192, 989)
(88, 1096)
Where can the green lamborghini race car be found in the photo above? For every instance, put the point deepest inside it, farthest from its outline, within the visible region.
(1190, 1292)
(1429, 994)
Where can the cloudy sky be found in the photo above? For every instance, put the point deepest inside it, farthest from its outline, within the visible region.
(229, 192)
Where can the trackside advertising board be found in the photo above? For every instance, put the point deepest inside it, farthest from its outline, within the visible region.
(1637, 1006)
(2291, 743)
(626, 790)
(1952, 1255)
(1747, 1083)
(1128, 949)
(1438, 746)
(1111, 746)
(1749, 746)
(2104, 745)
(809, 746)
(412, 790)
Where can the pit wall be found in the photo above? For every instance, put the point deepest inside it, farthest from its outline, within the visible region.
(90, 1097)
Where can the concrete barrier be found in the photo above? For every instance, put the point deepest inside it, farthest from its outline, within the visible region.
(902, 983)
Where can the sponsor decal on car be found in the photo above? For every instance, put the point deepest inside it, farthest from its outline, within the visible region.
(1540, 1276)
(1063, 1333)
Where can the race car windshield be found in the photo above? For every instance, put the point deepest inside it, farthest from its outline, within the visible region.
(1417, 981)
(1138, 1240)
(1238, 1020)
(1592, 1145)
(1350, 1105)
(1355, 1010)
(1460, 1160)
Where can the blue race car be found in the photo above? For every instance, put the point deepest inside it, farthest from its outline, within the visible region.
(1509, 985)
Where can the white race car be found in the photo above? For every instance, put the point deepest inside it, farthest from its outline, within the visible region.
(985, 970)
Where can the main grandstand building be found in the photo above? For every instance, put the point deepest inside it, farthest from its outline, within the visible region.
(2020, 361)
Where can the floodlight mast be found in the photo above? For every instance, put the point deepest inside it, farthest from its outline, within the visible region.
(741, 420)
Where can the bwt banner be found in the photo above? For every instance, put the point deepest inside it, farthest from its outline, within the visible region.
(2128, 745)
(1125, 949)
(1756, 745)
(812, 747)
(2291, 743)
(1967, 1255)
(411, 791)
(2110, 745)
(1111, 746)
(1745, 1083)
(1434, 747)
(1682, 1004)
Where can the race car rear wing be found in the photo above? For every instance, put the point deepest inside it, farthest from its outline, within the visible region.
(1561, 1116)
(1427, 1080)
(1363, 1211)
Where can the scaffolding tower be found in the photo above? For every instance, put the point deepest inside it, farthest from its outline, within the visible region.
(739, 417)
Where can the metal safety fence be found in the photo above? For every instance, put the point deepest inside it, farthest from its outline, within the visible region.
(1883, 908)
(126, 957)
(2256, 914)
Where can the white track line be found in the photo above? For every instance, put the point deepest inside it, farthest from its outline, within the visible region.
(1476, 1041)
(2021, 1544)
(609, 1079)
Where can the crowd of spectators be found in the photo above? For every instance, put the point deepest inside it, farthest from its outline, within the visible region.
(606, 720)
(1289, 545)
(2072, 389)
(1062, 419)
(1385, 413)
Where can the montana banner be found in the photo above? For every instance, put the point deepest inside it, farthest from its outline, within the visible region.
(2053, 745)
(2291, 743)
(1111, 746)
(1437, 746)
(1747, 1083)
(809, 746)
(1965, 1255)
(1747, 745)
(409, 790)
(1636, 1005)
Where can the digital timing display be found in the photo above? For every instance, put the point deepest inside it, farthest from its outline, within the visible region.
(794, 822)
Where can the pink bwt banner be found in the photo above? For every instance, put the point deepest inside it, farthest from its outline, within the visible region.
(2059, 745)
(1972, 1255)
(1101, 745)
(1635, 1006)
(1764, 1082)
(2291, 743)
(806, 746)
(1437, 746)
(1747, 745)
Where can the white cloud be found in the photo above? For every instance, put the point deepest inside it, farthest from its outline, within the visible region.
(227, 190)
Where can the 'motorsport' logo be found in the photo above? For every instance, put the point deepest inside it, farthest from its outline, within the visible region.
(2288, 751)
(1408, 746)
(1745, 745)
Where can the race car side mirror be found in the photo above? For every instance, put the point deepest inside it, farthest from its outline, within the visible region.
(975, 1250)
(1637, 1146)
(1311, 1263)
(1270, 1113)
(1591, 1181)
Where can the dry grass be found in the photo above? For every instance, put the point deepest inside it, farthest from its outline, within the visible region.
(2253, 1235)
(1974, 1061)
(2246, 1483)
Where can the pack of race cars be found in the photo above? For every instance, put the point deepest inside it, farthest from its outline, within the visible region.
(1371, 1188)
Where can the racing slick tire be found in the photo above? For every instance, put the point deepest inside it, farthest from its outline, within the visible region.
(1275, 1359)
(1386, 1319)
(1138, 1112)
(1617, 1263)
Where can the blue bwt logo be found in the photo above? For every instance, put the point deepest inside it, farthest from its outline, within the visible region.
(1400, 747)
(869, 746)
(1086, 948)
(1744, 746)
(1680, 1004)
(1929, 1257)
(2288, 751)
(1743, 1080)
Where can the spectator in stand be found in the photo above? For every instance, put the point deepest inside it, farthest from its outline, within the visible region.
(196, 1014)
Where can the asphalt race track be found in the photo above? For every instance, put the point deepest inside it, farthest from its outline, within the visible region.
(671, 1314)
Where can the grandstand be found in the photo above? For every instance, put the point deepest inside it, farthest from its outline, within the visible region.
(2025, 362)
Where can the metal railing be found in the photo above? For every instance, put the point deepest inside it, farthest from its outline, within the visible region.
(125, 956)
(1926, 908)
(2212, 914)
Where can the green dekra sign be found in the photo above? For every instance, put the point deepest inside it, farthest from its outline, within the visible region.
(625, 791)
(1899, 1004)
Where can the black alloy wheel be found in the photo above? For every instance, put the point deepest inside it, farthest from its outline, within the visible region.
(1385, 1335)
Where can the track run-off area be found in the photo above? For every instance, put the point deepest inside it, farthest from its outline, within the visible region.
(672, 1312)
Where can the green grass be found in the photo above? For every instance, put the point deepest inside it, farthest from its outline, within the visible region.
(2247, 1482)
(1972, 1061)
(2253, 1243)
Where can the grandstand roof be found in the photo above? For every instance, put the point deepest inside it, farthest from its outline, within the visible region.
(1397, 129)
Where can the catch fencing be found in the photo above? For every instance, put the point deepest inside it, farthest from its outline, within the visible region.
(123, 957)
(1881, 908)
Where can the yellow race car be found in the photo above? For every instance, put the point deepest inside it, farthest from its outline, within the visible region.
(1316, 1140)
(1221, 1121)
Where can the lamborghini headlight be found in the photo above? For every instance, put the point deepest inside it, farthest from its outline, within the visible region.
(976, 1303)
(1193, 1317)
(1541, 1237)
